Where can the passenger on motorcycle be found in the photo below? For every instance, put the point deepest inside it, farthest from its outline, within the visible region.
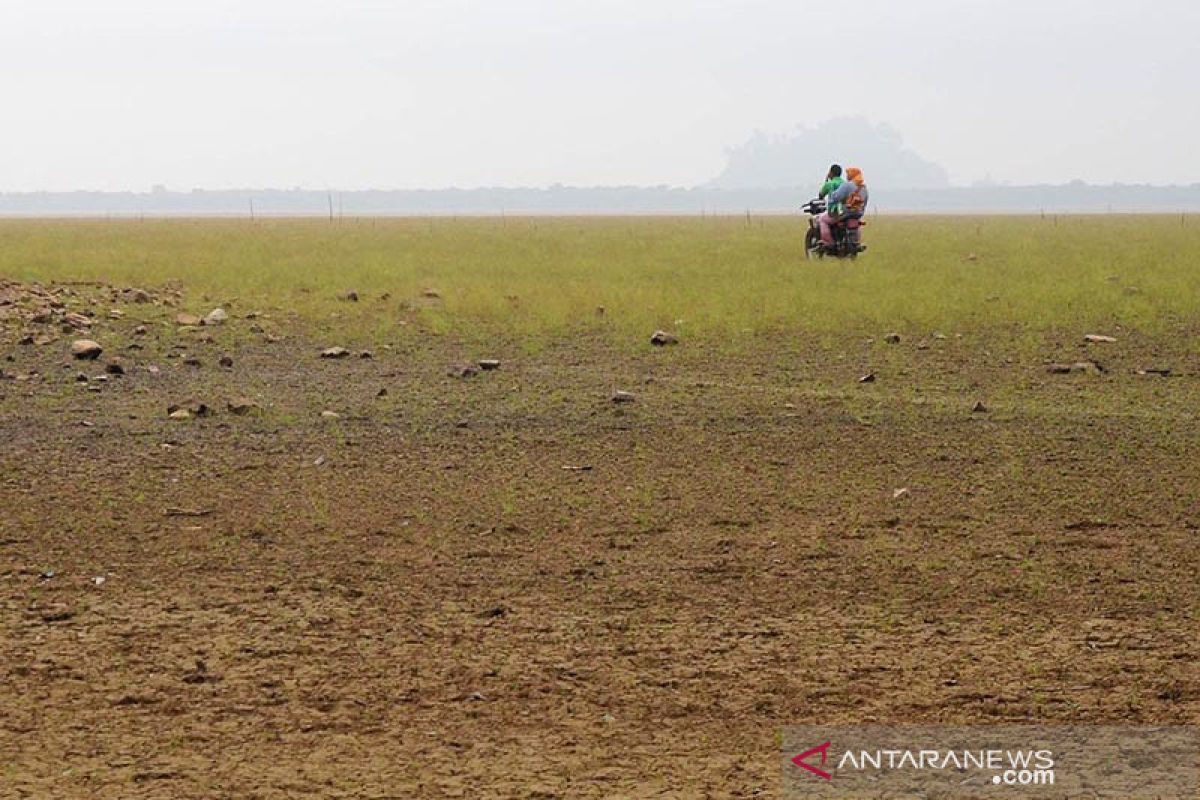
(848, 201)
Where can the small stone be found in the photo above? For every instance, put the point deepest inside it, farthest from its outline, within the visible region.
(662, 339)
(115, 368)
(366, 355)
(217, 316)
(140, 330)
(335, 352)
(226, 361)
(192, 361)
(330, 415)
(351, 296)
(26, 340)
(979, 408)
(140, 296)
(462, 371)
(1099, 338)
(382, 393)
(116, 313)
(892, 338)
(43, 340)
(623, 397)
(432, 294)
(462, 423)
(77, 321)
(1090, 367)
(898, 493)
(489, 364)
(188, 320)
(868, 378)
(939, 336)
(179, 413)
(81, 377)
(1162, 372)
(601, 311)
(242, 406)
(86, 349)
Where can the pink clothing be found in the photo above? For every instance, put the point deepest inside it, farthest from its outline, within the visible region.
(826, 222)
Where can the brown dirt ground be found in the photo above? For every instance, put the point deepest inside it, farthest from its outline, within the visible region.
(417, 600)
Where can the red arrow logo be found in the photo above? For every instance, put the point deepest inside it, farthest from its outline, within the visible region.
(820, 773)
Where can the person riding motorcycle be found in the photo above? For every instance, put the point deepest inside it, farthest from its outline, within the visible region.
(847, 201)
(833, 179)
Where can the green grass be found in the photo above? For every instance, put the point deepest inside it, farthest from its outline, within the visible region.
(719, 279)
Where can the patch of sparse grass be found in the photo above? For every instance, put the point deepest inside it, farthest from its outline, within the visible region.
(716, 279)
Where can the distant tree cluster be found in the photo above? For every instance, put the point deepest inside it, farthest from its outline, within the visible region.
(801, 158)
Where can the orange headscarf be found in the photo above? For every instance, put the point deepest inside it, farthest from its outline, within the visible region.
(855, 174)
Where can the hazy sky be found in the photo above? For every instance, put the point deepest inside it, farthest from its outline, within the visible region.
(348, 94)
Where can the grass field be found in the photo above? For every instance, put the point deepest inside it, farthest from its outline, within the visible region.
(900, 490)
(724, 277)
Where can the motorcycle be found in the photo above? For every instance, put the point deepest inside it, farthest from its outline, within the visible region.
(847, 234)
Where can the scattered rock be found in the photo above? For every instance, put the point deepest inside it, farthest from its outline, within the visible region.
(44, 340)
(462, 423)
(366, 355)
(1162, 372)
(979, 408)
(193, 361)
(892, 338)
(187, 320)
(81, 377)
(489, 364)
(335, 352)
(26, 340)
(462, 371)
(196, 410)
(939, 336)
(600, 311)
(382, 393)
(972, 257)
(77, 321)
(140, 330)
(330, 415)
(217, 316)
(868, 378)
(432, 294)
(350, 296)
(242, 406)
(624, 397)
(1097, 338)
(1089, 367)
(662, 338)
(115, 368)
(898, 493)
(116, 313)
(226, 361)
(140, 296)
(86, 349)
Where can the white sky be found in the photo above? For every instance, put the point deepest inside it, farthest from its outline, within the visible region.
(348, 94)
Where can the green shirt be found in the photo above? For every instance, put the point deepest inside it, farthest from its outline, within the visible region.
(827, 189)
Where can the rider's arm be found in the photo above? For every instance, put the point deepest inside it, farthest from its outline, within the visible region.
(842, 192)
